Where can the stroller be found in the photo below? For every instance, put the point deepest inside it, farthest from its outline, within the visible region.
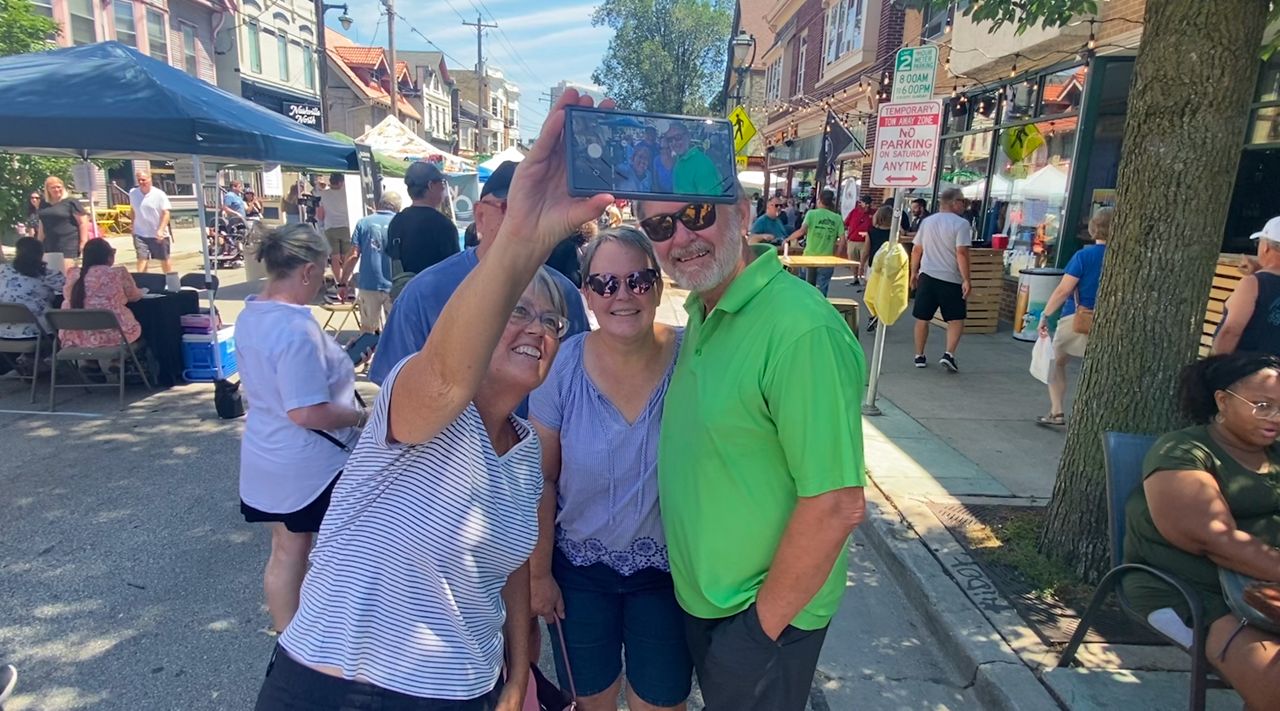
(226, 241)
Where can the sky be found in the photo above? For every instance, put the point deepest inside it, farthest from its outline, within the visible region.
(537, 44)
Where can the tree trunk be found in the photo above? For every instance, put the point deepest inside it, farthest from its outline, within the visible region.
(1193, 82)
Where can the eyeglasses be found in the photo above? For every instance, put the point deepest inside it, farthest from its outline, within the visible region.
(1261, 410)
(638, 283)
(552, 323)
(694, 216)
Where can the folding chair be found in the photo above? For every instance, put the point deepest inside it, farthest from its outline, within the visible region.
(20, 315)
(91, 320)
(348, 309)
(1123, 455)
(155, 283)
(195, 280)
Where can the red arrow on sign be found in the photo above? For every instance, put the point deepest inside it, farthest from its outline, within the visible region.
(899, 179)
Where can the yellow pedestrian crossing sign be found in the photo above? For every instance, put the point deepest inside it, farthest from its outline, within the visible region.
(743, 129)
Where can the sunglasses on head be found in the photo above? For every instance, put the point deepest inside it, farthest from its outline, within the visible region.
(694, 216)
(638, 283)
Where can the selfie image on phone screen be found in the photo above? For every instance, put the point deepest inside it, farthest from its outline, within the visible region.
(650, 156)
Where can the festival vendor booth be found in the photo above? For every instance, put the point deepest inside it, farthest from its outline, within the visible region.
(112, 102)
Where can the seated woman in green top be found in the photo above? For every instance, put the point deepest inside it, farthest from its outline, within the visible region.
(1211, 497)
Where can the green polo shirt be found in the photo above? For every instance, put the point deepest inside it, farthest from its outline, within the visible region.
(763, 407)
(695, 174)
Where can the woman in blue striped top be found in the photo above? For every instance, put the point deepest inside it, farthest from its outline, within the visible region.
(418, 593)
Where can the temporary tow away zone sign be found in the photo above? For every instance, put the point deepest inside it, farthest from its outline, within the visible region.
(906, 149)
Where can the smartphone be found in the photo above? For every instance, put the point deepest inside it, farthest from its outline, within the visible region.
(643, 156)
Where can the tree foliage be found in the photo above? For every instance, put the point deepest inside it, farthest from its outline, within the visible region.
(22, 30)
(666, 56)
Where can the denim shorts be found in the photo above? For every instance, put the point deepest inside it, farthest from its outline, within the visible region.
(606, 614)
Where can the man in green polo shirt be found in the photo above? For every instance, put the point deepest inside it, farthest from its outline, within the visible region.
(760, 463)
(694, 173)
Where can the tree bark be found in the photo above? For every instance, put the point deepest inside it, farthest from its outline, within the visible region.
(1193, 82)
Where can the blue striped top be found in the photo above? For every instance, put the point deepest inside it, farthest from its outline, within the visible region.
(404, 590)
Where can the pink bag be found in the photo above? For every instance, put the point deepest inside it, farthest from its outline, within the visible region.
(542, 694)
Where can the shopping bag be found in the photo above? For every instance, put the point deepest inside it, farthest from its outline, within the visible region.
(1042, 359)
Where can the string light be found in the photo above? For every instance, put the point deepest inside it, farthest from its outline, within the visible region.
(946, 29)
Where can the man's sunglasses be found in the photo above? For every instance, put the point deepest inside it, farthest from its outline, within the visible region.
(694, 216)
(638, 283)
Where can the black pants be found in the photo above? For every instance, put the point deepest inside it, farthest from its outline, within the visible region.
(291, 686)
(741, 669)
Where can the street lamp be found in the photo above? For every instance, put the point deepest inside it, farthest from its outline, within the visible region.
(345, 20)
(742, 53)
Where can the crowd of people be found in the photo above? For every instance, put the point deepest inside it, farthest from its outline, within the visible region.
(671, 497)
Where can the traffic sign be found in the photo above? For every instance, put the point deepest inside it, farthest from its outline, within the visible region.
(914, 70)
(742, 162)
(743, 129)
(906, 149)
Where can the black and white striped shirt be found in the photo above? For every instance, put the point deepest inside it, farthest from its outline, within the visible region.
(404, 590)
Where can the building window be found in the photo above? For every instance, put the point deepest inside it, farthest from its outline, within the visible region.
(309, 66)
(773, 80)
(844, 25)
(254, 46)
(802, 53)
(43, 7)
(282, 53)
(84, 26)
(936, 20)
(157, 35)
(189, 60)
(126, 25)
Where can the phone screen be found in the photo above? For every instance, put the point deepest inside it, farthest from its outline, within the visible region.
(642, 156)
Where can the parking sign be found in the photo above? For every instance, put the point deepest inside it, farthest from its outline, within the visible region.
(914, 71)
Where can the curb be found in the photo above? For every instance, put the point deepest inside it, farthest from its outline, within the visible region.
(998, 677)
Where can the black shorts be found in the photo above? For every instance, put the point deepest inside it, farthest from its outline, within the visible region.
(305, 520)
(933, 294)
(151, 247)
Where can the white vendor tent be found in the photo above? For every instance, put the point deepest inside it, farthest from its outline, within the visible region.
(397, 140)
(507, 154)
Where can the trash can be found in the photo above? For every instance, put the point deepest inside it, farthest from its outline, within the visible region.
(1035, 286)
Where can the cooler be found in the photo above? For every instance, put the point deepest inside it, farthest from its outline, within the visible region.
(197, 356)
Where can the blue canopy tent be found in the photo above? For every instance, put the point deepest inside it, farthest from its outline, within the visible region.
(110, 101)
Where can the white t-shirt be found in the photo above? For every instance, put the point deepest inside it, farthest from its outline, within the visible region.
(334, 202)
(939, 236)
(286, 362)
(405, 586)
(147, 210)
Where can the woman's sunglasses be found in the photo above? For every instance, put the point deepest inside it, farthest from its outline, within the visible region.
(638, 283)
(694, 216)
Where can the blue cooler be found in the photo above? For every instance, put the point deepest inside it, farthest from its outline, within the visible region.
(197, 356)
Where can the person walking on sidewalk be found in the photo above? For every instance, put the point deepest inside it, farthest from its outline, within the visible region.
(760, 483)
(940, 275)
(823, 231)
(1252, 318)
(1077, 293)
(369, 246)
(333, 214)
(857, 226)
(600, 568)
(151, 237)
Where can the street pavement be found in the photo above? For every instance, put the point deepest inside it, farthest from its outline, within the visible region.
(129, 581)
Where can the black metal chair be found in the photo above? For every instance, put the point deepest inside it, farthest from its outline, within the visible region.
(1124, 454)
(155, 283)
(195, 280)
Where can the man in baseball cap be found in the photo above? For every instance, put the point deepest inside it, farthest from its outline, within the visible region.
(1247, 324)
(421, 235)
(420, 304)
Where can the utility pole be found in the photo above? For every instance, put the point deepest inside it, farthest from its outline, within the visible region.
(482, 79)
(391, 43)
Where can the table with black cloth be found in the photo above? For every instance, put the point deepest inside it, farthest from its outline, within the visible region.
(161, 320)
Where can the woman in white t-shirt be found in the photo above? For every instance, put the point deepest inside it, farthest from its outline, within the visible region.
(418, 592)
(303, 414)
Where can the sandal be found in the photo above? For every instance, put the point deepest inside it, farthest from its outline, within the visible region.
(1052, 420)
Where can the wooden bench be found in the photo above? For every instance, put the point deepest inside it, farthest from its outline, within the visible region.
(1226, 277)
